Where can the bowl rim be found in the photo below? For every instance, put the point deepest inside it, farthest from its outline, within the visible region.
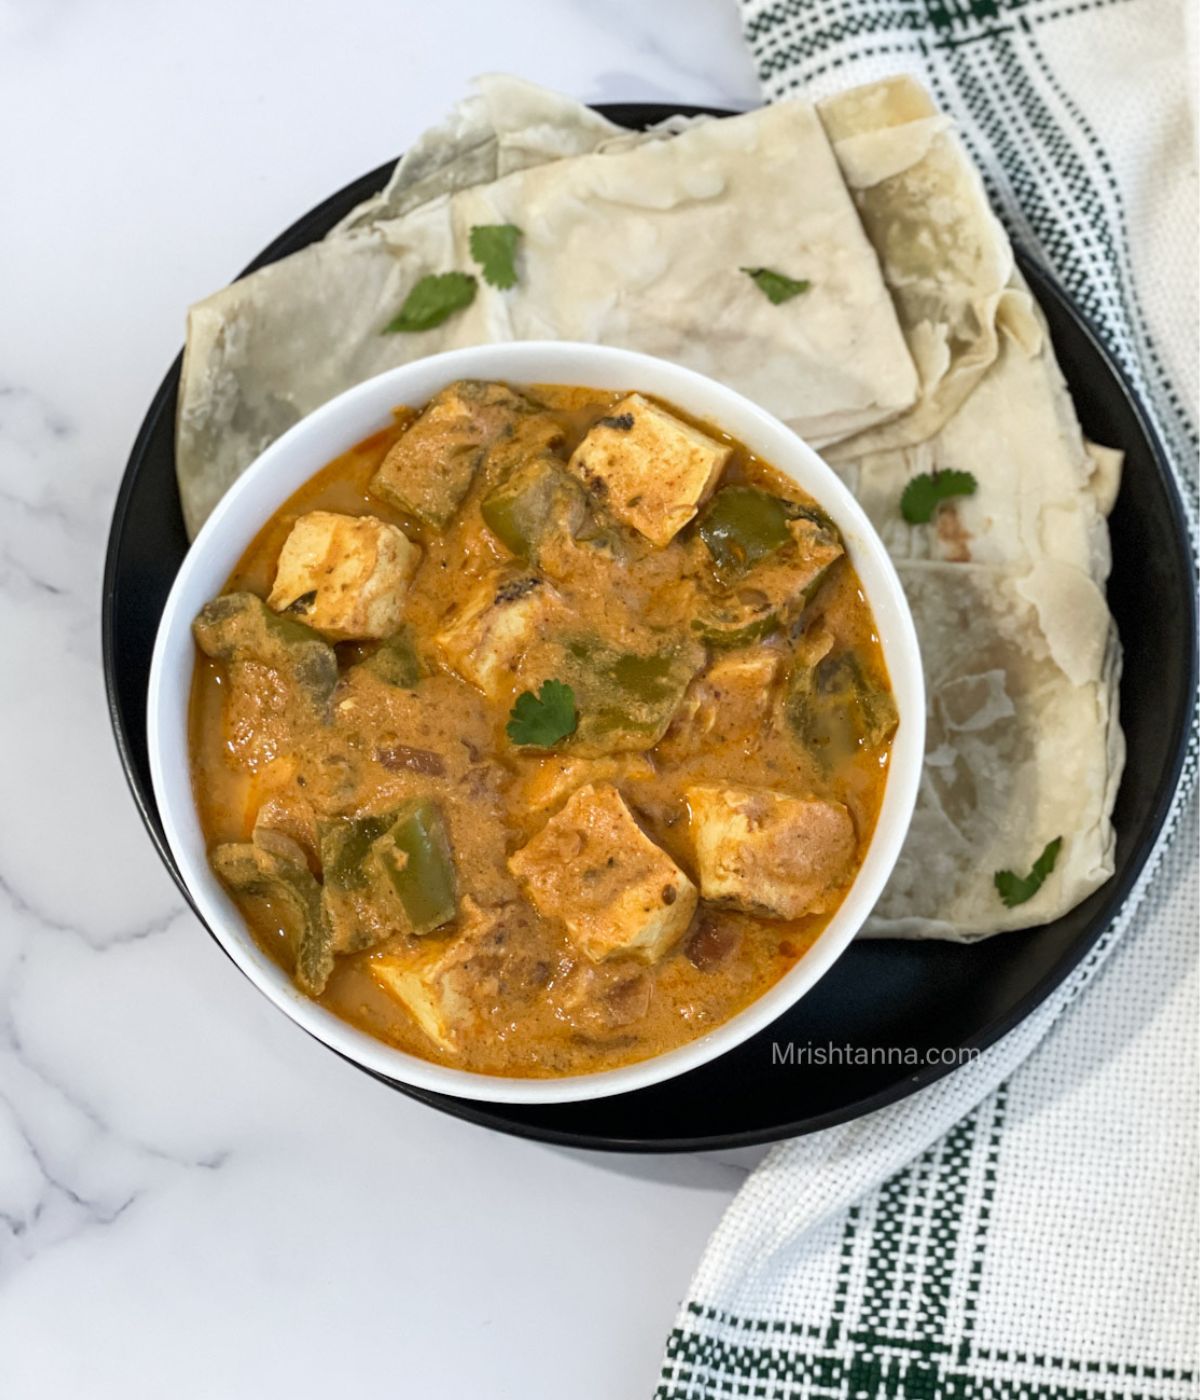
(349, 417)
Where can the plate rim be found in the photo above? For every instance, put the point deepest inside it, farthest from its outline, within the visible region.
(637, 115)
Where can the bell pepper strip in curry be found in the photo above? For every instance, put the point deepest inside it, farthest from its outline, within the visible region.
(536, 498)
(414, 855)
(626, 699)
(240, 627)
(741, 525)
(386, 874)
(835, 708)
(273, 867)
(395, 661)
(769, 557)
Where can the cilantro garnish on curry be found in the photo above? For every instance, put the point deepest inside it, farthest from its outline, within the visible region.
(543, 731)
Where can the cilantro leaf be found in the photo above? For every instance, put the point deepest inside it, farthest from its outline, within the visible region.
(924, 493)
(493, 246)
(776, 286)
(543, 719)
(1016, 889)
(432, 300)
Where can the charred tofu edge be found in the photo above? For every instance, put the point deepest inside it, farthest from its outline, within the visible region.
(649, 468)
(503, 615)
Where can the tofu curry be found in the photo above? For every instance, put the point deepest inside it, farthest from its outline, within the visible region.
(541, 732)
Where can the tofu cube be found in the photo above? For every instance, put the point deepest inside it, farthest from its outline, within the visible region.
(345, 575)
(769, 853)
(500, 620)
(736, 690)
(594, 869)
(649, 468)
(731, 699)
(429, 471)
(443, 983)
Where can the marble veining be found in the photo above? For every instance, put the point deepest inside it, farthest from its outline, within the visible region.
(195, 1199)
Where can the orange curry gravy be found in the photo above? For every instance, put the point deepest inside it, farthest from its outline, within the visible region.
(538, 1005)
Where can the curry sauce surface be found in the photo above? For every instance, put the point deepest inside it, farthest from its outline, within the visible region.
(559, 1014)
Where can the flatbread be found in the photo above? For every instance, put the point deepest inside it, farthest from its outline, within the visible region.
(505, 126)
(1021, 657)
(945, 256)
(1039, 508)
(1018, 754)
(643, 248)
(635, 243)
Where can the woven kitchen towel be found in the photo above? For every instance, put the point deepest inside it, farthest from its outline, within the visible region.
(1027, 1226)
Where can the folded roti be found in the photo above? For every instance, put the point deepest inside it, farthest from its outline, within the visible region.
(1018, 754)
(944, 254)
(1006, 586)
(506, 125)
(1021, 658)
(1037, 511)
(637, 243)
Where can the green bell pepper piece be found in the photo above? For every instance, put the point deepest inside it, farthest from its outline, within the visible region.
(730, 620)
(345, 845)
(414, 854)
(770, 557)
(240, 627)
(273, 867)
(626, 700)
(726, 627)
(395, 661)
(835, 709)
(743, 524)
(353, 879)
(525, 506)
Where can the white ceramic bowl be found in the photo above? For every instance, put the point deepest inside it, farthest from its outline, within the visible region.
(328, 432)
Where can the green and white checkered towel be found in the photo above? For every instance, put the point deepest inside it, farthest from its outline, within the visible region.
(1026, 1232)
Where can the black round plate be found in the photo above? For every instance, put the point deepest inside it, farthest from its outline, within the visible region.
(920, 996)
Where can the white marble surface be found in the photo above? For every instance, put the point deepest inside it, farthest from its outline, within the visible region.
(195, 1199)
